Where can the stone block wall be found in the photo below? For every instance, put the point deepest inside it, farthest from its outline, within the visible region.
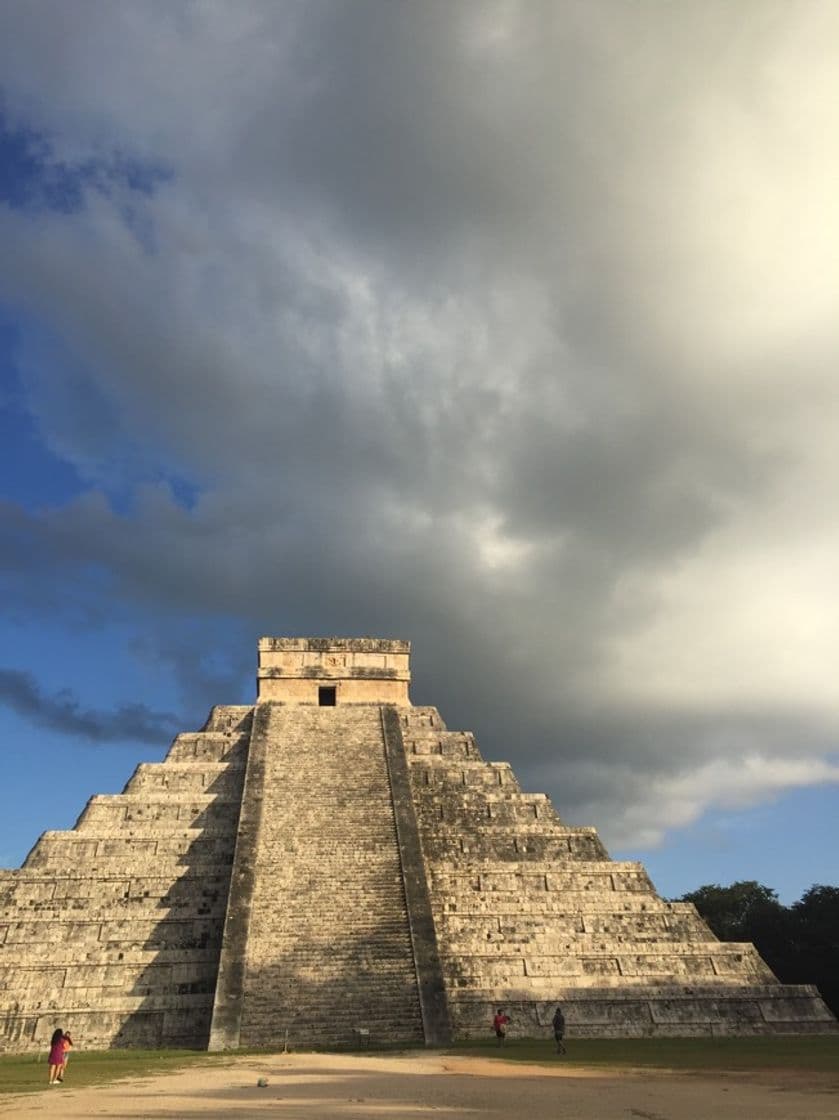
(530, 913)
(359, 670)
(112, 930)
(322, 927)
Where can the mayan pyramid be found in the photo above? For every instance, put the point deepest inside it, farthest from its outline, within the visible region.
(333, 860)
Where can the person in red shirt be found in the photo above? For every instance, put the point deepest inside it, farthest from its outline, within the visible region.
(499, 1025)
(67, 1044)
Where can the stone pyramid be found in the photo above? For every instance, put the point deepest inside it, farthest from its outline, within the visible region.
(332, 864)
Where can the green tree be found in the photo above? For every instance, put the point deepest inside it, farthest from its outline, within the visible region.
(800, 943)
(816, 956)
(734, 912)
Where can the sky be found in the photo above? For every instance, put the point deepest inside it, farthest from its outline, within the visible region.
(509, 328)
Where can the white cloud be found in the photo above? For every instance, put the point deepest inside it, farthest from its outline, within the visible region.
(668, 803)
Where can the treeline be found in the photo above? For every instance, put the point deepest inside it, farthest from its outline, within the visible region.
(800, 943)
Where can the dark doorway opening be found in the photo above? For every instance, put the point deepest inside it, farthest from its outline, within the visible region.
(326, 696)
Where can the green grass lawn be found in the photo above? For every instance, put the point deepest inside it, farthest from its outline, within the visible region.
(820, 1053)
(24, 1073)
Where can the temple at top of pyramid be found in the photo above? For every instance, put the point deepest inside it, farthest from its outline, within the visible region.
(332, 860)
(331, 671)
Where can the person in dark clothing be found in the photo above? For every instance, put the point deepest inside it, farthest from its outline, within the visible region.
(559, 1031)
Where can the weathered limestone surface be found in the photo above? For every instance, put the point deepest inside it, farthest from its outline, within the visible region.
(327, 949)
(529, 913)
(361, 670)
(112, 930)
(334, 859)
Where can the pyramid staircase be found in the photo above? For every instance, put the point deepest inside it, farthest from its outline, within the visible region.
(325, 949)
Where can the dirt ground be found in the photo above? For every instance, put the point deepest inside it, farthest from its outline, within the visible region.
(415, 1086)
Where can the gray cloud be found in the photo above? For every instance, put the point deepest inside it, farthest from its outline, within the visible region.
(62, 712)
(500, 327)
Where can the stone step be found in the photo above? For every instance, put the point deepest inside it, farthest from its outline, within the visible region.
(471, 809)
(116, 810)
(530, 830)
(112, 928)
(422, 716)
(545, 871)
(641, 924)
(149, 1030)
(482, 775)
(498, 844)
(99, 1000)
(42, 886)
(431, 799)
(564, 934)
(650, 1010)
(597, 877)
(548, 903)
(735, 950)
(202, 746)
(543, 974)
(552, 942)
(129, 909)
(190, 778)
(230, 718)
(76, 974)
(64, 956)
(59, 850)
(463, 750)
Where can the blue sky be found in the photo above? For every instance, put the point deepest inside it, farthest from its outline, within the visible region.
(505, 328)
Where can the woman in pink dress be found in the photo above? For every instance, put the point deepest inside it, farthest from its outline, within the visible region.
(56, 1058)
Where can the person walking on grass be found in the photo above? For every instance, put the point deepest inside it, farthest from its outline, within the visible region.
(56, 1056)
(499, 1025)
(67, 1046)
(559, 1031)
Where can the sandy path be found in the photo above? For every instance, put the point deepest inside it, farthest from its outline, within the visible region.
(412, 1087)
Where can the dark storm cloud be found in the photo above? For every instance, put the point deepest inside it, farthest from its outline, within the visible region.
(469, 323)
(62, 712)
